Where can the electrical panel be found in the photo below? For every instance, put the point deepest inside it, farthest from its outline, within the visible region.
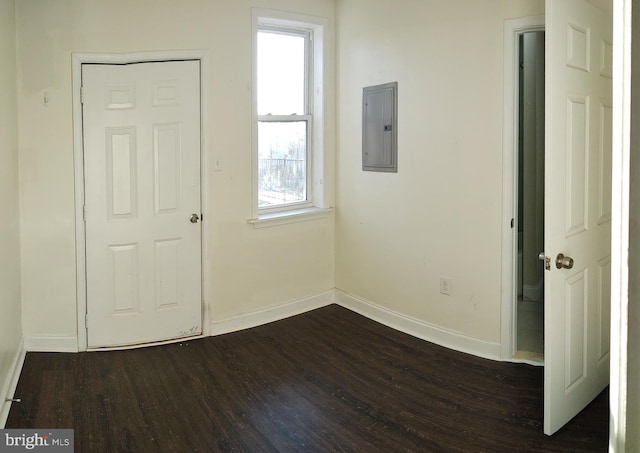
(380, 128)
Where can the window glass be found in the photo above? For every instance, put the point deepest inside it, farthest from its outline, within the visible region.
(281, 74)
(282, 162)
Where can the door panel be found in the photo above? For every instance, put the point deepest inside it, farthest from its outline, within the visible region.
(577, 207)
(142, 183)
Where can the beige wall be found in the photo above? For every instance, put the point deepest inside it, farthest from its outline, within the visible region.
(440, 215)
(250, 269)
(10, 316)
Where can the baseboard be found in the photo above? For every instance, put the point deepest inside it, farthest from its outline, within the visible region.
(9, 387)
(415, 327)
(271, 314)
(51, 344)
(534, 293)
(420, 329)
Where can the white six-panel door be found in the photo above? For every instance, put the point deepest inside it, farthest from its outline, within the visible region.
(577, 207)
(141, 130)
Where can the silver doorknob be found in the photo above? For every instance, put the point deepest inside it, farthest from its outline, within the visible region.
(564, 262)
(194, 218)
(546, 259)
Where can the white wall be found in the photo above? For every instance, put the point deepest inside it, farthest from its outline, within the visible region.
(440, 215)
(251, 269)
(625, 259)
(633, 314)
(10, 316)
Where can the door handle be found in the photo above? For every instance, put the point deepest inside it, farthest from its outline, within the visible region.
(564, 262)
(194, 218)
(546, 259)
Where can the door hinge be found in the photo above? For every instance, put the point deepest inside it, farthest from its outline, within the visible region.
(84, 212)
(81, 95)
(86, 320)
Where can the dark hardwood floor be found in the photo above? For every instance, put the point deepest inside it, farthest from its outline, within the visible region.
(327, 380)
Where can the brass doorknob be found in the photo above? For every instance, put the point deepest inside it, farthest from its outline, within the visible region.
(564, 262)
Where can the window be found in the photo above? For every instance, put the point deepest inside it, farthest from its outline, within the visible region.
(284, 117)
(288, 135)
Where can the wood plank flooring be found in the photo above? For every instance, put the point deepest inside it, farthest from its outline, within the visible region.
(328, 380)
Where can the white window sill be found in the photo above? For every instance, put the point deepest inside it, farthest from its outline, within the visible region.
(284, 217)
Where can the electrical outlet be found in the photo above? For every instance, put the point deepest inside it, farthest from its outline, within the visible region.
(445, 285)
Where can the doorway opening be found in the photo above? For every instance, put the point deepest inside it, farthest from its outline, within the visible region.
(522, 329)
(529, 197)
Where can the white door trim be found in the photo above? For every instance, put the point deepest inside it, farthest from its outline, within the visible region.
(513, 28)
(621, 437)
(78, 59)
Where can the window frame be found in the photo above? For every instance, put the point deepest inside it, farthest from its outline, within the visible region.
(314, 205)
(306, 116)
(307, 34)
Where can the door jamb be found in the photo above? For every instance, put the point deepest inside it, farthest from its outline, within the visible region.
(622, 408)
(513, 28)
(78, 59)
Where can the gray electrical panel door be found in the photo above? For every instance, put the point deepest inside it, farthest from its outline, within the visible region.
(379, 128)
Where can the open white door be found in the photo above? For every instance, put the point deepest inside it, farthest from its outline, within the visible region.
(578, 207)
(141, 128)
